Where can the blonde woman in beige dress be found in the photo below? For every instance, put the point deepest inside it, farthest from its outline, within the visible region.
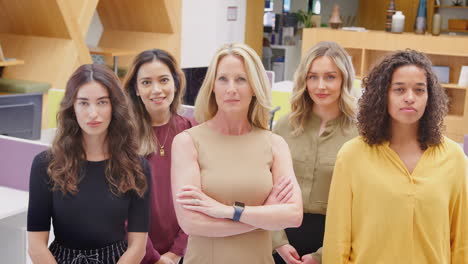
(232, 179)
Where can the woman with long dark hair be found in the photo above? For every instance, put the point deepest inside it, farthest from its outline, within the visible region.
(92, 180)
(155, 86)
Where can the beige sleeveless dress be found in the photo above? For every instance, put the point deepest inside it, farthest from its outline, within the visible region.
(233, 168)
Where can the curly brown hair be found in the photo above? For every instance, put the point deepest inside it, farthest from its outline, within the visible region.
(124, 171)
(373, 117)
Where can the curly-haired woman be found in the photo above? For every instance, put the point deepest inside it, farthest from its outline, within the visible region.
(322, 119)
(92, 180)
(399, 191)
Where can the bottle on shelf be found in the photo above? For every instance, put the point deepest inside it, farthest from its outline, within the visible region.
(398, 22)
(421, 17)
(436, 24)
(390, 13)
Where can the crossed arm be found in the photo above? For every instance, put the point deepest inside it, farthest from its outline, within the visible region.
(282, 209)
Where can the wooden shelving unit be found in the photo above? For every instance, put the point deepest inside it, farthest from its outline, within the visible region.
(456, 7)
(369, 48)
(455, 30)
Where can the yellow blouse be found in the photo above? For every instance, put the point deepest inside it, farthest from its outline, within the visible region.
(380, 213)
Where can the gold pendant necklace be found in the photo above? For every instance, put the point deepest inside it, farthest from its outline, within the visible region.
(162, 153)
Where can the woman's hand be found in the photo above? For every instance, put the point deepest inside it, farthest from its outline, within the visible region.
(192, 198)
(281, 192)
(308, 259)
(289, 254)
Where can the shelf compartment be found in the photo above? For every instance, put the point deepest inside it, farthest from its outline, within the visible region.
(444, 60)
(356, 55)
(453, 86)
(456, 101)
(455, 7)
(455, 30)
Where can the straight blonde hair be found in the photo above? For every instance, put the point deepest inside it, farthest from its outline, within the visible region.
(301, 103)
(259, 110)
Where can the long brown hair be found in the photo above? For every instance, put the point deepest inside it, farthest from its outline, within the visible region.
(123, 170)
(147, 141)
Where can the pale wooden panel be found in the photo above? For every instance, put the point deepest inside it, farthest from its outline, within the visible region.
(11, 63)
(32, 17)
(136, 15)
(50, 60)
(140, 41)
(84, 11)
(372, 13)
(127, 40)
(254, 25)
(356, 55)
(71, 21)
(456, 101)
(381, 40)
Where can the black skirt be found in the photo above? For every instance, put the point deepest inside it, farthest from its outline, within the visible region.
(106, 255)
(307, 238)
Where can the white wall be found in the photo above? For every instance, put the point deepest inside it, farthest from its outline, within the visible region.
(205, 28)
(297, 5)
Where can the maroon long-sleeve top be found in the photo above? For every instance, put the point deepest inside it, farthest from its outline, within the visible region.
(164, 233)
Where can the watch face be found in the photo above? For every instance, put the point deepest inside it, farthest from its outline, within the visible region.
(239, 204)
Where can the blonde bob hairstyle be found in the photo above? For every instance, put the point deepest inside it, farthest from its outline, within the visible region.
(301, 103)
(258, 114)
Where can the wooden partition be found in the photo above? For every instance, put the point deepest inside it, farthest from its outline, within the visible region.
(46, 35)
(141, 24)
(254, 25)
(368, 48)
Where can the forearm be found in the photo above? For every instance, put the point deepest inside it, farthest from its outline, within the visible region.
(203, 225)
(132, 255)
(41, 255)
(273, 217)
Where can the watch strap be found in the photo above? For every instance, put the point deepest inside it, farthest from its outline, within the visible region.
(238, 209)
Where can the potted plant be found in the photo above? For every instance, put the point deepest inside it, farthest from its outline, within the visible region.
(305, 18)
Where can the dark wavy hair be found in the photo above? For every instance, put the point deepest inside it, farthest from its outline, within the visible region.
(68, 158)
(373, 117)
(142, 118)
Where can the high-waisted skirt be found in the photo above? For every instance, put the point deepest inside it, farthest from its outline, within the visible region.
(106, 255)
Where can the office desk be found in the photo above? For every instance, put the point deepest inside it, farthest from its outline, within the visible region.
(13, 202)
(13, 235)
(111, 52)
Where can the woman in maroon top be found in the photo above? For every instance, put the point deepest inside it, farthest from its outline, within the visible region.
(155, 86)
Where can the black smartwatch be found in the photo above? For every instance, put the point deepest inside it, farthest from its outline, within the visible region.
(238, 209)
